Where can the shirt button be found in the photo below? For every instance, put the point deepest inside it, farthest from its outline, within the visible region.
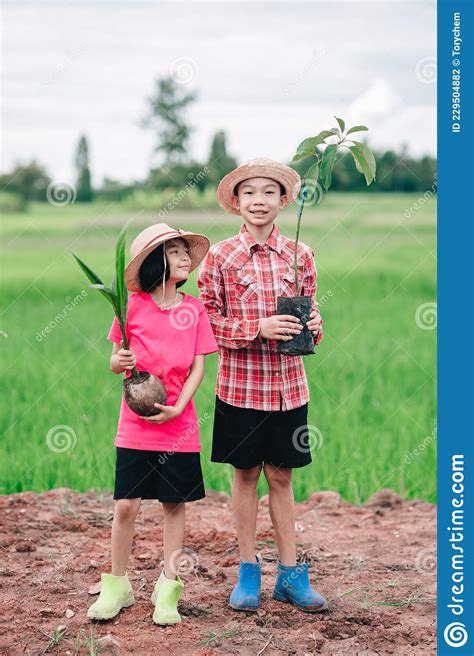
(277, 374)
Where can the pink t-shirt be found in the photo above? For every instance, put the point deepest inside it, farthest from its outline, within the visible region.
(165, 343)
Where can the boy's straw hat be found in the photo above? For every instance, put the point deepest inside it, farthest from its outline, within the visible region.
(154, 236)
(261, 167)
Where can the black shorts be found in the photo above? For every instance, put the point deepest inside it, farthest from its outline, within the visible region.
(245, 437)
(170, 478)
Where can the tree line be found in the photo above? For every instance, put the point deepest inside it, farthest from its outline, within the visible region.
(165, 116)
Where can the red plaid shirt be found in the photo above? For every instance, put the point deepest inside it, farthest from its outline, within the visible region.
(239, 282)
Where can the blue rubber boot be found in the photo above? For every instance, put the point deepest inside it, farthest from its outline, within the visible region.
(246, 594)
(293, 586)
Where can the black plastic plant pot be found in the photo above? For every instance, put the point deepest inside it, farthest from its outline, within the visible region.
(297, 306)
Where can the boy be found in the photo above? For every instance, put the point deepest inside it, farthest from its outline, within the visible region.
(262, 396)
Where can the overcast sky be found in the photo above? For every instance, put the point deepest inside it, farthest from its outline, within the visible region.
(268, 73)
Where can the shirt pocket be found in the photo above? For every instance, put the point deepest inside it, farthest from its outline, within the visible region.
(287, 283)
(241, 286)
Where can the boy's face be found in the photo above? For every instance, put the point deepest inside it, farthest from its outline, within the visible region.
(259, 201)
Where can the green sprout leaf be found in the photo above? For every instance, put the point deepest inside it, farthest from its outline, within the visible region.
(119, 280)
(116, 294)
(364, 161)
(357, 128)
(97, 283)
(93, 277)
(109, 295)
(327, 165)
(342, 124)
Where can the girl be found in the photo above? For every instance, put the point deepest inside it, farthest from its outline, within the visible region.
(158, 456)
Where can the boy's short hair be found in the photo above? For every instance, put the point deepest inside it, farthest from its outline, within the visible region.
(152, 269)
(282, 188)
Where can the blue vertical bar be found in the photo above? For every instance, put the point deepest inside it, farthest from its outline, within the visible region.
(455, 327)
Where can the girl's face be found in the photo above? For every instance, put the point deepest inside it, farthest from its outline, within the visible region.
(179, 262)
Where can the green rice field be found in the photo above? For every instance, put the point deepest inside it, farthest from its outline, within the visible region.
(372, 380)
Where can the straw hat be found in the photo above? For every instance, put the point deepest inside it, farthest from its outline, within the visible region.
(261, 167)
(154, 236)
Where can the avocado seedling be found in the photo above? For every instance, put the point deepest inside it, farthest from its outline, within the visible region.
(319, 173)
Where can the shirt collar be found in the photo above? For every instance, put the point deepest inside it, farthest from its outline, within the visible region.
(250, 244)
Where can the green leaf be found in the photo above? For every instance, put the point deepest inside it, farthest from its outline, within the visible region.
(357, 128)
(302, 155)
(308, 146)
(113, 284)
(102, 287)
(327, 165)
(97, 283)
(93, 277)
(119, 280)
(311, 174)
(109, 295)
(357, 165)
(341, 123)
(364, 161)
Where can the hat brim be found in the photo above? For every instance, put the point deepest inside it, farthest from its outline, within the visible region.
(287, 176)
(198, 248)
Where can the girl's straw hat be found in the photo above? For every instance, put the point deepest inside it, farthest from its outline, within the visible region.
(258, 168)
(154, 236)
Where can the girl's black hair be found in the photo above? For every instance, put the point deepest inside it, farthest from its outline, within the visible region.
(152, 269)
(236, 188)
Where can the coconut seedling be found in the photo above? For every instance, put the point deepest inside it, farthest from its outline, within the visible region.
(141, 389)
(316, 178)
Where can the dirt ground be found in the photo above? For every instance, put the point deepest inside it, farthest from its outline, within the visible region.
(375, 564)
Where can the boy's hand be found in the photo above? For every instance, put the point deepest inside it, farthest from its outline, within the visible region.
(314, 324)
(167, 412)
(281, 327)
(126, 358)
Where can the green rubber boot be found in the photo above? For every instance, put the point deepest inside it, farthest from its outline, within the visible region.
(165, 598)
(115, 593)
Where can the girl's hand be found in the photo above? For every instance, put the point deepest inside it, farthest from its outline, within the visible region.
(126, 358)
(315, 323)
(167, 412)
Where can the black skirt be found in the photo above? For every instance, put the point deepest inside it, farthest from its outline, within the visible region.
(168, 477)
(245, 437)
